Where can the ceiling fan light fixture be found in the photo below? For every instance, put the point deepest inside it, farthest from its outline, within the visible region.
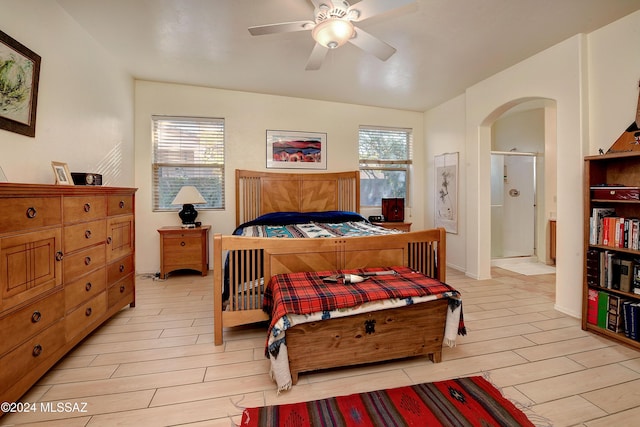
(333, 32)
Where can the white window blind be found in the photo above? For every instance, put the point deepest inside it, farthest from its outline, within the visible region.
(188, 151)
(385, 162)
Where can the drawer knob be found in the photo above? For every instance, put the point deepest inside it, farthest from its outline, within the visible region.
(122, 289)
(87, 234)
(59, 256)
(182, 243)
(87, 207)
(121, 204)
(121, 268)
(31, 213)
(37, 350)
(88, 311)
(109, 240)
(88, 286)
(87, 260)
(36, 316)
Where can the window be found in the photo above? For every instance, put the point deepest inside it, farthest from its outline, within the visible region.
(188, 151)
(385, 162)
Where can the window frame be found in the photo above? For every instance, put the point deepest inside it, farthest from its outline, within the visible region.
(404, 165)
(218, 164)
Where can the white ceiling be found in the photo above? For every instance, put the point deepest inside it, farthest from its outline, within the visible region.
(444, 46)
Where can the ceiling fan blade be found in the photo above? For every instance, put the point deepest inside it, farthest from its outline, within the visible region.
(316, 59)
(284, 27)
(371, 44)
(368, 8)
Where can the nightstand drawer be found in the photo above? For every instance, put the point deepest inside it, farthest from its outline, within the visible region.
(182, 246)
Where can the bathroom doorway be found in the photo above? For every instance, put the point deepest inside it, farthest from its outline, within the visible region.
(513, 204)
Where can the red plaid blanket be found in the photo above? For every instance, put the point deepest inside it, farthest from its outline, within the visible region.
(306, 293)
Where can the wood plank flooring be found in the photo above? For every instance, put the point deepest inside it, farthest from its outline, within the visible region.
(156, 364)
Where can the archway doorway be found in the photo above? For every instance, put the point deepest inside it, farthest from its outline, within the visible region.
(523, 188)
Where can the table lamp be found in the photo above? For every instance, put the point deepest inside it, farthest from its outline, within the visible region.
(187, 197)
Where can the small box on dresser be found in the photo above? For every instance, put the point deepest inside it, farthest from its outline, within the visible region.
(57, 247)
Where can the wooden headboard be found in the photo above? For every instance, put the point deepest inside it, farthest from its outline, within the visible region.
(259, 193)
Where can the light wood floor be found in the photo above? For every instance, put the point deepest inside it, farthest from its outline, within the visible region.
(156, 364)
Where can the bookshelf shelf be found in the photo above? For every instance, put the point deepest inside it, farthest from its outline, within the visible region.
(608, 266)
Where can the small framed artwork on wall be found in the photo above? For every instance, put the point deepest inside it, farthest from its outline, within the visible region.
(296, 150)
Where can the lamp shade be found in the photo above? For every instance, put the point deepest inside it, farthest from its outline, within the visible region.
(333, 32)
(188, 195)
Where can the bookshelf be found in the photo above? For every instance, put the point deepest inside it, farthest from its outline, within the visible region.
(612, 252)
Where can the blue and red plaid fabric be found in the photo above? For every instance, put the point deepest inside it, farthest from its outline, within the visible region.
(306, 293)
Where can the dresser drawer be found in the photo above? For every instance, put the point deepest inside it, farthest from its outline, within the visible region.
(84, 208)
(86, 315)
(83, 262)
(121, 291)
(119, 269)
(23, 213)
(85, 288)
(27, 356)
(30, 320)
(120, 236)
(85, 234)
(120, 205)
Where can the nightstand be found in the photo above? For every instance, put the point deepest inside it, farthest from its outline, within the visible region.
(184, 249)
(402, 226)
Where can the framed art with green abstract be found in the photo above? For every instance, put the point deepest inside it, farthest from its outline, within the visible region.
(19, 76)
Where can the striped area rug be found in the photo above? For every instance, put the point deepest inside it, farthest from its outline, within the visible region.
(470, 401)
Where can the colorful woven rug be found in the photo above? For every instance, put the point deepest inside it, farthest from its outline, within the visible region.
(471, 401)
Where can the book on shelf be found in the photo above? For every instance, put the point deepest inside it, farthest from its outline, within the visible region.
(592, 307)
(615, 321)
(626, 275)
(596, 221)
(603, 308)
(636, 279)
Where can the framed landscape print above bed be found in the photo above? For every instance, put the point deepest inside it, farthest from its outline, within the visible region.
(296, 150)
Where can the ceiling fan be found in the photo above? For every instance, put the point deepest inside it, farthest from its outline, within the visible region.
(333, 26)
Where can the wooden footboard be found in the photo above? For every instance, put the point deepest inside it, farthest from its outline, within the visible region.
(252, 259)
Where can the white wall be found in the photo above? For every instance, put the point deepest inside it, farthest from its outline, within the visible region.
(85, 101)
(614, 71)
(592, 81)
(445, 133)
(247, 117)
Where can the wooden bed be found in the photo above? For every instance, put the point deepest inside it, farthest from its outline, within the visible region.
(253, 260)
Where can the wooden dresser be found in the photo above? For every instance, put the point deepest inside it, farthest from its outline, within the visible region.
(66, 266)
